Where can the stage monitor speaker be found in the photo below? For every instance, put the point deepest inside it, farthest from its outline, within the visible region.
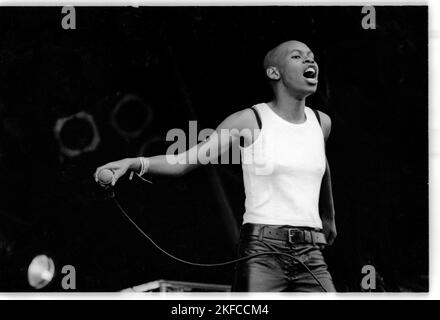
(178, 286)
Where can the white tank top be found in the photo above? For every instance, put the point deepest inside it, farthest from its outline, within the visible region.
(282, 171)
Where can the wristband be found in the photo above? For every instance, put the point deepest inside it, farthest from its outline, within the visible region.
(145, 164)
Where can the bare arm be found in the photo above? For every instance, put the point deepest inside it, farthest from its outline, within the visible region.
(228, 132)
(326, 205)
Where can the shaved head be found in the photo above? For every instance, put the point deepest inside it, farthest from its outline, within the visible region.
(291, 66)
(272, 58)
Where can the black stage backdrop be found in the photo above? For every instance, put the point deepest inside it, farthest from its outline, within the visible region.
(204, 63)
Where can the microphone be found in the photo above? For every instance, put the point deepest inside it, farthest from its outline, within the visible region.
(105, 178)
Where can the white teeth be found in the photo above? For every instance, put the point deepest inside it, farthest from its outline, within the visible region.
(310, 69)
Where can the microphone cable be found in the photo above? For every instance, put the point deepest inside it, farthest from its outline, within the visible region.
(274, 252)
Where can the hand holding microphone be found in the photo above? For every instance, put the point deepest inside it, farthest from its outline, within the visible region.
(107, 175)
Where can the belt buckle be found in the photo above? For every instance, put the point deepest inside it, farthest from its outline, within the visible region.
(309, 237)
(291, 234)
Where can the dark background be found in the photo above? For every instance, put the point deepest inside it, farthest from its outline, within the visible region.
(204, 63)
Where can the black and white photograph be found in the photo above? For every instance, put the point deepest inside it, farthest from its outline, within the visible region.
(214, 149)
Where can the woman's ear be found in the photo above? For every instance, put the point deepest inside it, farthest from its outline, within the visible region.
(272, 73)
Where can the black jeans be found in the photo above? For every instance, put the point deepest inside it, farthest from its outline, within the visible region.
(267, 273)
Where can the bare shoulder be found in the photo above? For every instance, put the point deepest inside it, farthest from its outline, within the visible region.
(243, 119)
(326, 123)
(242, 123)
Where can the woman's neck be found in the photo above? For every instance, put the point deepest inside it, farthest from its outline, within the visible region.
(289, 108)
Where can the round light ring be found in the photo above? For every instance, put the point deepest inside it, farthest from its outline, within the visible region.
(131, 116)
(76, 134)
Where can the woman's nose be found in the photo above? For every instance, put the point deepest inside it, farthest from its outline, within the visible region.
(309, 60)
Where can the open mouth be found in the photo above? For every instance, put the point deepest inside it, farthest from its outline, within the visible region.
(310, 74)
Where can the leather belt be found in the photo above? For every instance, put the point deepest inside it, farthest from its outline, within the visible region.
(291, 235)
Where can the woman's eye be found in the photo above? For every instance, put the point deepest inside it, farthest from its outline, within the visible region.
(296, 57)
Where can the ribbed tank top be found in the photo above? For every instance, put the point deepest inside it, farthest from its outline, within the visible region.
(283, 170)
